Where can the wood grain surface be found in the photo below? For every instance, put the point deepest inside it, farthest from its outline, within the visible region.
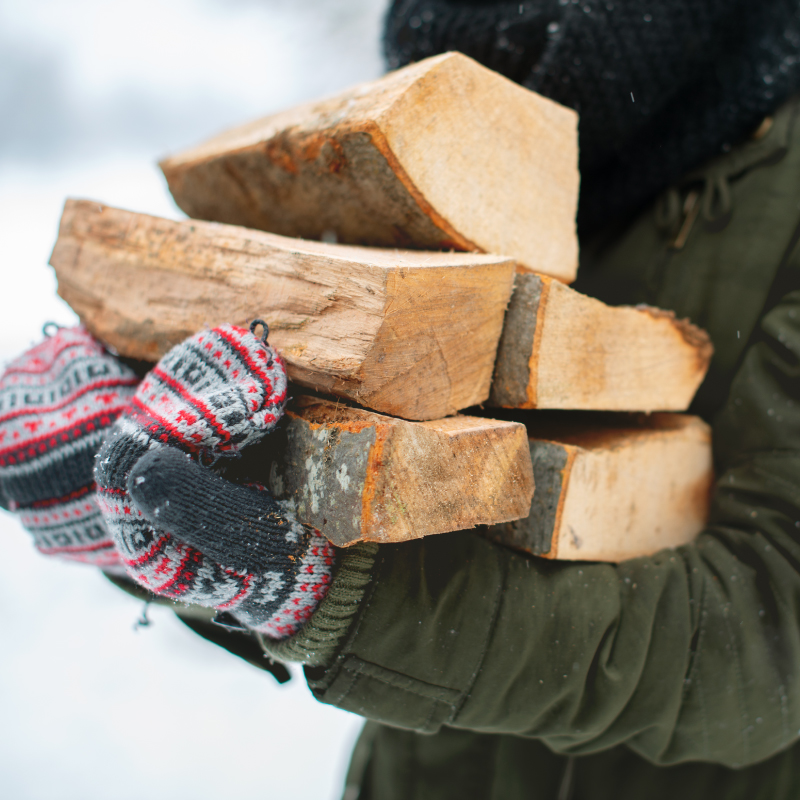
(613, 487)
(441, 154)
(562, 349)
(360, 476)
(403, 332)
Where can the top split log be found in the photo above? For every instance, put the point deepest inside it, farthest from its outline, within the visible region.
(443, 154)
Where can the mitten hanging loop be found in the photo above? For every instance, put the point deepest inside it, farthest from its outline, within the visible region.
(265, 332)
(50, 329)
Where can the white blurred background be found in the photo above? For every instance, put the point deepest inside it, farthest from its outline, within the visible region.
(92, 93)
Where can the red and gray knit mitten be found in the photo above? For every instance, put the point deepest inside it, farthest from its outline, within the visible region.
(184, 531)
(56, 402)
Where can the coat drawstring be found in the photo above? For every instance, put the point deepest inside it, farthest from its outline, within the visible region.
(677, 209)
(567, 780)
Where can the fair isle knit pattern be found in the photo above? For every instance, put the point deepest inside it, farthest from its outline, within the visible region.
(210, 396)
(56, 401)
(307, 588)
(308, 581)
(213, 394)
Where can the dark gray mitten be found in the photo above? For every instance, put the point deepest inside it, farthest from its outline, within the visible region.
(184, 532)
(283, 567)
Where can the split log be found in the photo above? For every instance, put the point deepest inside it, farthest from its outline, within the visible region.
(562, 349)
(407, 333)
(613, 487)
(360, 476)
(442, 154)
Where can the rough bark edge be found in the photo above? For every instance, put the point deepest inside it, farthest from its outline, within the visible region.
(512, 373)
(693, 335)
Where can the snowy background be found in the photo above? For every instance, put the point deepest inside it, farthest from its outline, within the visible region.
(92, 93)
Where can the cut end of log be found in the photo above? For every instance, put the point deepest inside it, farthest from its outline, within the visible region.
(613, 487)
(693, 335)
(442, 154)
(563, 349)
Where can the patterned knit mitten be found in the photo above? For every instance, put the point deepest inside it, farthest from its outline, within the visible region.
(56, 402)
(185, 532)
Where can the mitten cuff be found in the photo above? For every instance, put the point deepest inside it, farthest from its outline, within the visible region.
(312, 580)
(316, 643)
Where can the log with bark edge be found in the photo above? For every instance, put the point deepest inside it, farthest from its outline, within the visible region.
(441, 154)
(360, 476)
(610, 487)
(562, 349)
(406, 333)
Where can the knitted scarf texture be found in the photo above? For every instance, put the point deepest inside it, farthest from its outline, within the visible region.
(660, 85)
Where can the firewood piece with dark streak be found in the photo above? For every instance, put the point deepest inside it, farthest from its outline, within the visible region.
(562, 349)
(442, 154)
(403, 332)
(360, 476)
(610, 487)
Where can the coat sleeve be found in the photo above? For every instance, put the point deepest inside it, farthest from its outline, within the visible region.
(692, 654)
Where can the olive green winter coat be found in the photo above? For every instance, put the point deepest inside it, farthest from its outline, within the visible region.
(498, 675)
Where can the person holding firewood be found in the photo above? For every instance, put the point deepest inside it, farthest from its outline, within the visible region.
(483, 672)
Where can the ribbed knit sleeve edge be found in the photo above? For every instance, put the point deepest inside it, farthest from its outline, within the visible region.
(317, 642)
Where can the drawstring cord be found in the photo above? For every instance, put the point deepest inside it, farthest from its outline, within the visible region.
(714, 201)
(717, 198)
(567, 780)
(677, 209)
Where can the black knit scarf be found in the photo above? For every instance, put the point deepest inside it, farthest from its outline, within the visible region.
(660, 85)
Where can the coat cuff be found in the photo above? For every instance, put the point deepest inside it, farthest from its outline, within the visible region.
(317, 642)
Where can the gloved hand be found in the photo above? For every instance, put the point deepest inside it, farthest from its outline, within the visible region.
(56, 402)
(185, 532)
(278, 568)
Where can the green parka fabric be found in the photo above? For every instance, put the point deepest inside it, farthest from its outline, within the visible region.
(493, 667)
(487, 673)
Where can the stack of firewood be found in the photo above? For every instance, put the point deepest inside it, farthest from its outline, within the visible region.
(476, 180)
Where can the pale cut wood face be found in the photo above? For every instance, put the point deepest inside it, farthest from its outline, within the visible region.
(614, 487)
(637, 496)
(497, 161)
(562, 349)
(407, 333)
(443, 154)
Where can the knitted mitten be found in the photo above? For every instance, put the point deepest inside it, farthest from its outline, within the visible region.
(184, 531)
(56, 401)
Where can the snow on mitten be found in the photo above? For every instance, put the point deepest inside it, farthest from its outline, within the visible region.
(56, 402)
(185, 532)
